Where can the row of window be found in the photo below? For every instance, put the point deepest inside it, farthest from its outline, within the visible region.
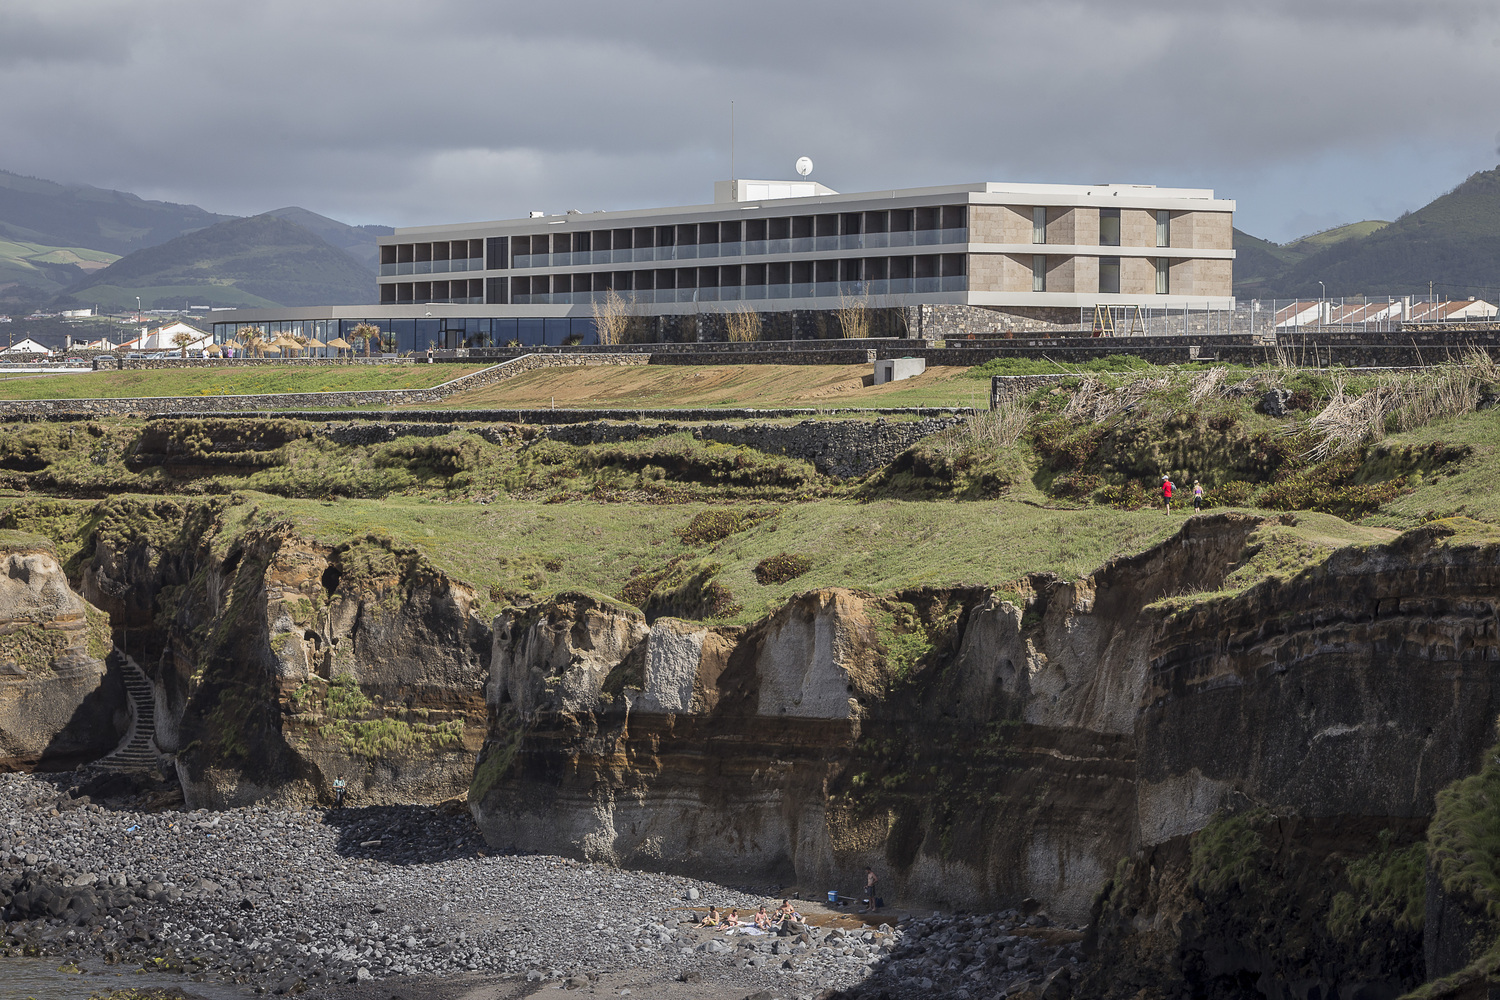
(786, 234)
(781, 279)
(934, 225)
(1109, 226)
(400, 336)
(1109, 275)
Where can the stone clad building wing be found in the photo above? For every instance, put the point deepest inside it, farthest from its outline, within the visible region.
(1011, 250)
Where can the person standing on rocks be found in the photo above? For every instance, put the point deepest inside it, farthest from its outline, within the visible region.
(870, 881)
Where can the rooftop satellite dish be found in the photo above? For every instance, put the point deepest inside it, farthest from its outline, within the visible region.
(804, 166)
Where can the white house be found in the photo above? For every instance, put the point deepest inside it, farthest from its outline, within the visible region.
(27, 346)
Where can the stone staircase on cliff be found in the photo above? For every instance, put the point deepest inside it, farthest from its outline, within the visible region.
(137, 752)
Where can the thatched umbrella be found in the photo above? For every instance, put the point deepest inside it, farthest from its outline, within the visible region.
(283, 344)
(339, 344)
(213, 349)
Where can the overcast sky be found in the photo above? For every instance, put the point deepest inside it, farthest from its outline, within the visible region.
(1309, 113)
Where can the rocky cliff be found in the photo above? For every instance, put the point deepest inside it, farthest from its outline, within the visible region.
(58, 705)
(282, 664)
(1136, 744)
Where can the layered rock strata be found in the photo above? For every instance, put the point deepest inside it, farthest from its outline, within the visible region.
(57, 702)
(1049, 733)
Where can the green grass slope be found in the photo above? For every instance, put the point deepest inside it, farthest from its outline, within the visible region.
(259, 260)
(45, 270)
(1259, 263)
(1338, 234)
(1454, 242)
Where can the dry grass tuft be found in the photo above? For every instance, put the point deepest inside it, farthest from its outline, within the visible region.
(742, 325)
(1210, 383)
(854, 316)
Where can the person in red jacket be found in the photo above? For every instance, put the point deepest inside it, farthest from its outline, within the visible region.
(1166, 494)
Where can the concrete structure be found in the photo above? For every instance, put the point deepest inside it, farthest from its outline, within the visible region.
(897, 369)
(996, 255)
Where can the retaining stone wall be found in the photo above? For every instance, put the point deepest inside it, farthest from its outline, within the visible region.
(553, 417)
(105, 361)
(842, 448)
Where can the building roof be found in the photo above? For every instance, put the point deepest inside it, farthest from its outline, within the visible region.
(982, 193)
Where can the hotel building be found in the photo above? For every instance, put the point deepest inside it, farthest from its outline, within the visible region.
(996, 256)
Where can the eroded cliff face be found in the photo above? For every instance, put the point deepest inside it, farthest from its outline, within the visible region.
(1292, 740)
(999, 765)
(57, 702)
(1067, 740)
(282, 664)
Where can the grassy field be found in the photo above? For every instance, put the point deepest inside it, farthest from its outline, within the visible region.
(879, 546)
(228, 381)
(510, 547)
(667, 386)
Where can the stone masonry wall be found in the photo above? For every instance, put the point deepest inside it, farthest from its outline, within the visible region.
(843, 448)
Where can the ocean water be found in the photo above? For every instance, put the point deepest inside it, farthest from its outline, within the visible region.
(40, 979)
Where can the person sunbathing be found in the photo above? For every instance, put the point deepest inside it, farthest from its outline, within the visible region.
(732, 919)
(711, 918)
(762, 919)
(787, 912)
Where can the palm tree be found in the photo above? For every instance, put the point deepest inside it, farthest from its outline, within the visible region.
(182, 338)
(251, 339)
(367, 332)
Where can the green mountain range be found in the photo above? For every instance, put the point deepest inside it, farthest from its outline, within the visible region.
(1453, 242)
(356, 241)
(59, 244)
(260, 261)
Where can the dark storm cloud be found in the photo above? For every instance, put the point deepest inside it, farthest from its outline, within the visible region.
(411, 113)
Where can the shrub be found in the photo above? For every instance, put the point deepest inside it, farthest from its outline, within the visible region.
(780, 568)
(1129, 496)
(718, 524)
(1235, 493)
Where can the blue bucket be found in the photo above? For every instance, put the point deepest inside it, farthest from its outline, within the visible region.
(833, 897)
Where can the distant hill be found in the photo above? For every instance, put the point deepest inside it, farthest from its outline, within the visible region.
(1453, 242)
(260, 261)
(76, 215)
(36, 272)
(357, 241)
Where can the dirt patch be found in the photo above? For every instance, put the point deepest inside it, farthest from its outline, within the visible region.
(721, 385)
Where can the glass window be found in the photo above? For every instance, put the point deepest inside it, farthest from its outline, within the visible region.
(1109, 275)
(1038, 273)
(497, 253)
(1163, 228)
(1163, 276)
(1109, 227)
(1039, 225)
